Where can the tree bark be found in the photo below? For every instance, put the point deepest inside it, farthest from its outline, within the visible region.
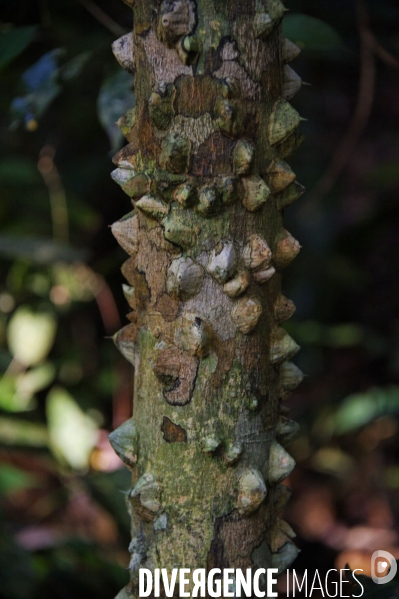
(205, 168)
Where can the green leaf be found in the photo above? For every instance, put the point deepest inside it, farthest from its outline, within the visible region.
(39, 250)
(73, 434)
(17, 393)
(10, 399)
(114, 99)
(384, 175)
(13, 479)
(36, 379)
(312, 332)
(344, 335)
(360, 409)
(334, 461)
(14, 431)
(310, 33)
(18, 171)
(31, 335)
(13, 42)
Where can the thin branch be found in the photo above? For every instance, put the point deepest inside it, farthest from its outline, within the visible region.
(107, 306)
(103, 18)
(362, 112)
(384, 55)
(56, 191)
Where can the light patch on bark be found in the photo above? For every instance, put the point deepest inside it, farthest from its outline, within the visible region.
(165, 62)
(213, 305)
(231, 68)
(196, 130)
(253, 52)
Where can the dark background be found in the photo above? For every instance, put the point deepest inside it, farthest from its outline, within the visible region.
(64, 530)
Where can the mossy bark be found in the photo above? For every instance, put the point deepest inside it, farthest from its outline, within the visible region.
(205, 168)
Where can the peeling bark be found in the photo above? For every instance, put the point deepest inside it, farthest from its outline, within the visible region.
(205, 169)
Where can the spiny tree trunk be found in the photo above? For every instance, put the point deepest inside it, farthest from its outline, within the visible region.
(205, 168)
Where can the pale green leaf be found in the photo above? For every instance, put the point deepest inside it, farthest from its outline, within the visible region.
(10, 399)
(360, 409)
(31, 335)
(36, 379)
(73, 434)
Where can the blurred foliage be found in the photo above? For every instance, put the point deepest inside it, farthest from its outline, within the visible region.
(311, 34)
(344, 283)
(72, 433)
(13, 41)
(40, 87)
(13, 479)
(64, 528)
(114, 99)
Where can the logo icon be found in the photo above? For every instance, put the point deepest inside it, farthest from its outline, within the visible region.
(378, 567)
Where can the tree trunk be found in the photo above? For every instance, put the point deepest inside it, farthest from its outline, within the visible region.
(205, 168)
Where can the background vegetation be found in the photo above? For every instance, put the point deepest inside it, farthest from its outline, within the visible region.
(63, 524)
